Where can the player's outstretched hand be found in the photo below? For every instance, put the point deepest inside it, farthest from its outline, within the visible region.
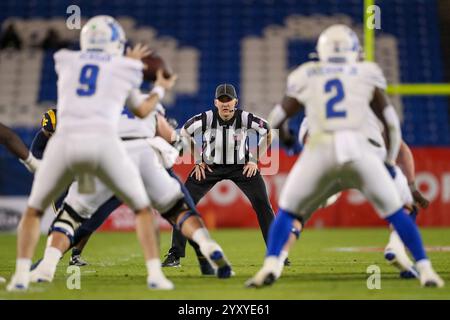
(138, 52)
(166, 83)
(250, 169)
(199, 171)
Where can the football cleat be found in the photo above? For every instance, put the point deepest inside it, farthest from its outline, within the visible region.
(76, 260)
(19, 282)
(217, 260)
(279, 269)
(171, 261)
(159, 282)
(428, 277)
(267, 275)
(41, 275)
(395, 254)
(400, 260)
(408, 274)
(223, 267)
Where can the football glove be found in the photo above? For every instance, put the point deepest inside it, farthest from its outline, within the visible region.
(418, 197)
(48, 122)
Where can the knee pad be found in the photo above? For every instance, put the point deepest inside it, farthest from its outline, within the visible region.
(188, 214)
(172, 214)
(296, 232)
(67, 222)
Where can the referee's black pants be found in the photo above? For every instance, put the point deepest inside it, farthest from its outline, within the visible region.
(253, 187)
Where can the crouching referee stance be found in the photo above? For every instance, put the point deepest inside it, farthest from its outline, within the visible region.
(231, 140)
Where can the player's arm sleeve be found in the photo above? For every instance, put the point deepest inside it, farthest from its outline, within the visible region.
(39, 144)
(292, 101)
(385, 111)
(391, 120)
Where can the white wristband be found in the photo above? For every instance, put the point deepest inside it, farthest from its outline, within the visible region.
(31, 163)
(160, 91)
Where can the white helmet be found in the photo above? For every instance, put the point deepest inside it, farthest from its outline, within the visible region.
(338, 43)
(103, 33)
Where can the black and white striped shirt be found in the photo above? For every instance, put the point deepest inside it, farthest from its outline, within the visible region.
(235, 141)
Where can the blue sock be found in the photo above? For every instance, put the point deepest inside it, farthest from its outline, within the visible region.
(408, 232)
(279, 232)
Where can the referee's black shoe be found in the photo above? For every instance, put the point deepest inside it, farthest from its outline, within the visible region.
(76, 260)
(171, 260)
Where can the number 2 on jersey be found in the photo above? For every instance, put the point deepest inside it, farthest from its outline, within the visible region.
(337, 85)
(88, 80)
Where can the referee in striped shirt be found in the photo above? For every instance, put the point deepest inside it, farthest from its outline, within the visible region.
(231, 141)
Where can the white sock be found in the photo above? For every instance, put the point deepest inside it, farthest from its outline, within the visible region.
(153, 267)
(271, 263)
(283, 256)
(201, 236)
(395, 241)
(23, 265)
(423, 264)
(51, 258)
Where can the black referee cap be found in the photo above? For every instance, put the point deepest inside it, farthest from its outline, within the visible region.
(226, 89)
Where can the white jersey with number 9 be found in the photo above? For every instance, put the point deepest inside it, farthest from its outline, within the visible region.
(93, 87)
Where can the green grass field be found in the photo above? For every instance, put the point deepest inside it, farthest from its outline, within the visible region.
(318, 270)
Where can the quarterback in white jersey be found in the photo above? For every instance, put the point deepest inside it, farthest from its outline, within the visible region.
(93, 86)
(338, 93)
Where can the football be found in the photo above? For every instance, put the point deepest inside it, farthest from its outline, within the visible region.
(154, 62)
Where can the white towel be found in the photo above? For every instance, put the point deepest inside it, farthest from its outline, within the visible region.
(347, 146)
(166, 152)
